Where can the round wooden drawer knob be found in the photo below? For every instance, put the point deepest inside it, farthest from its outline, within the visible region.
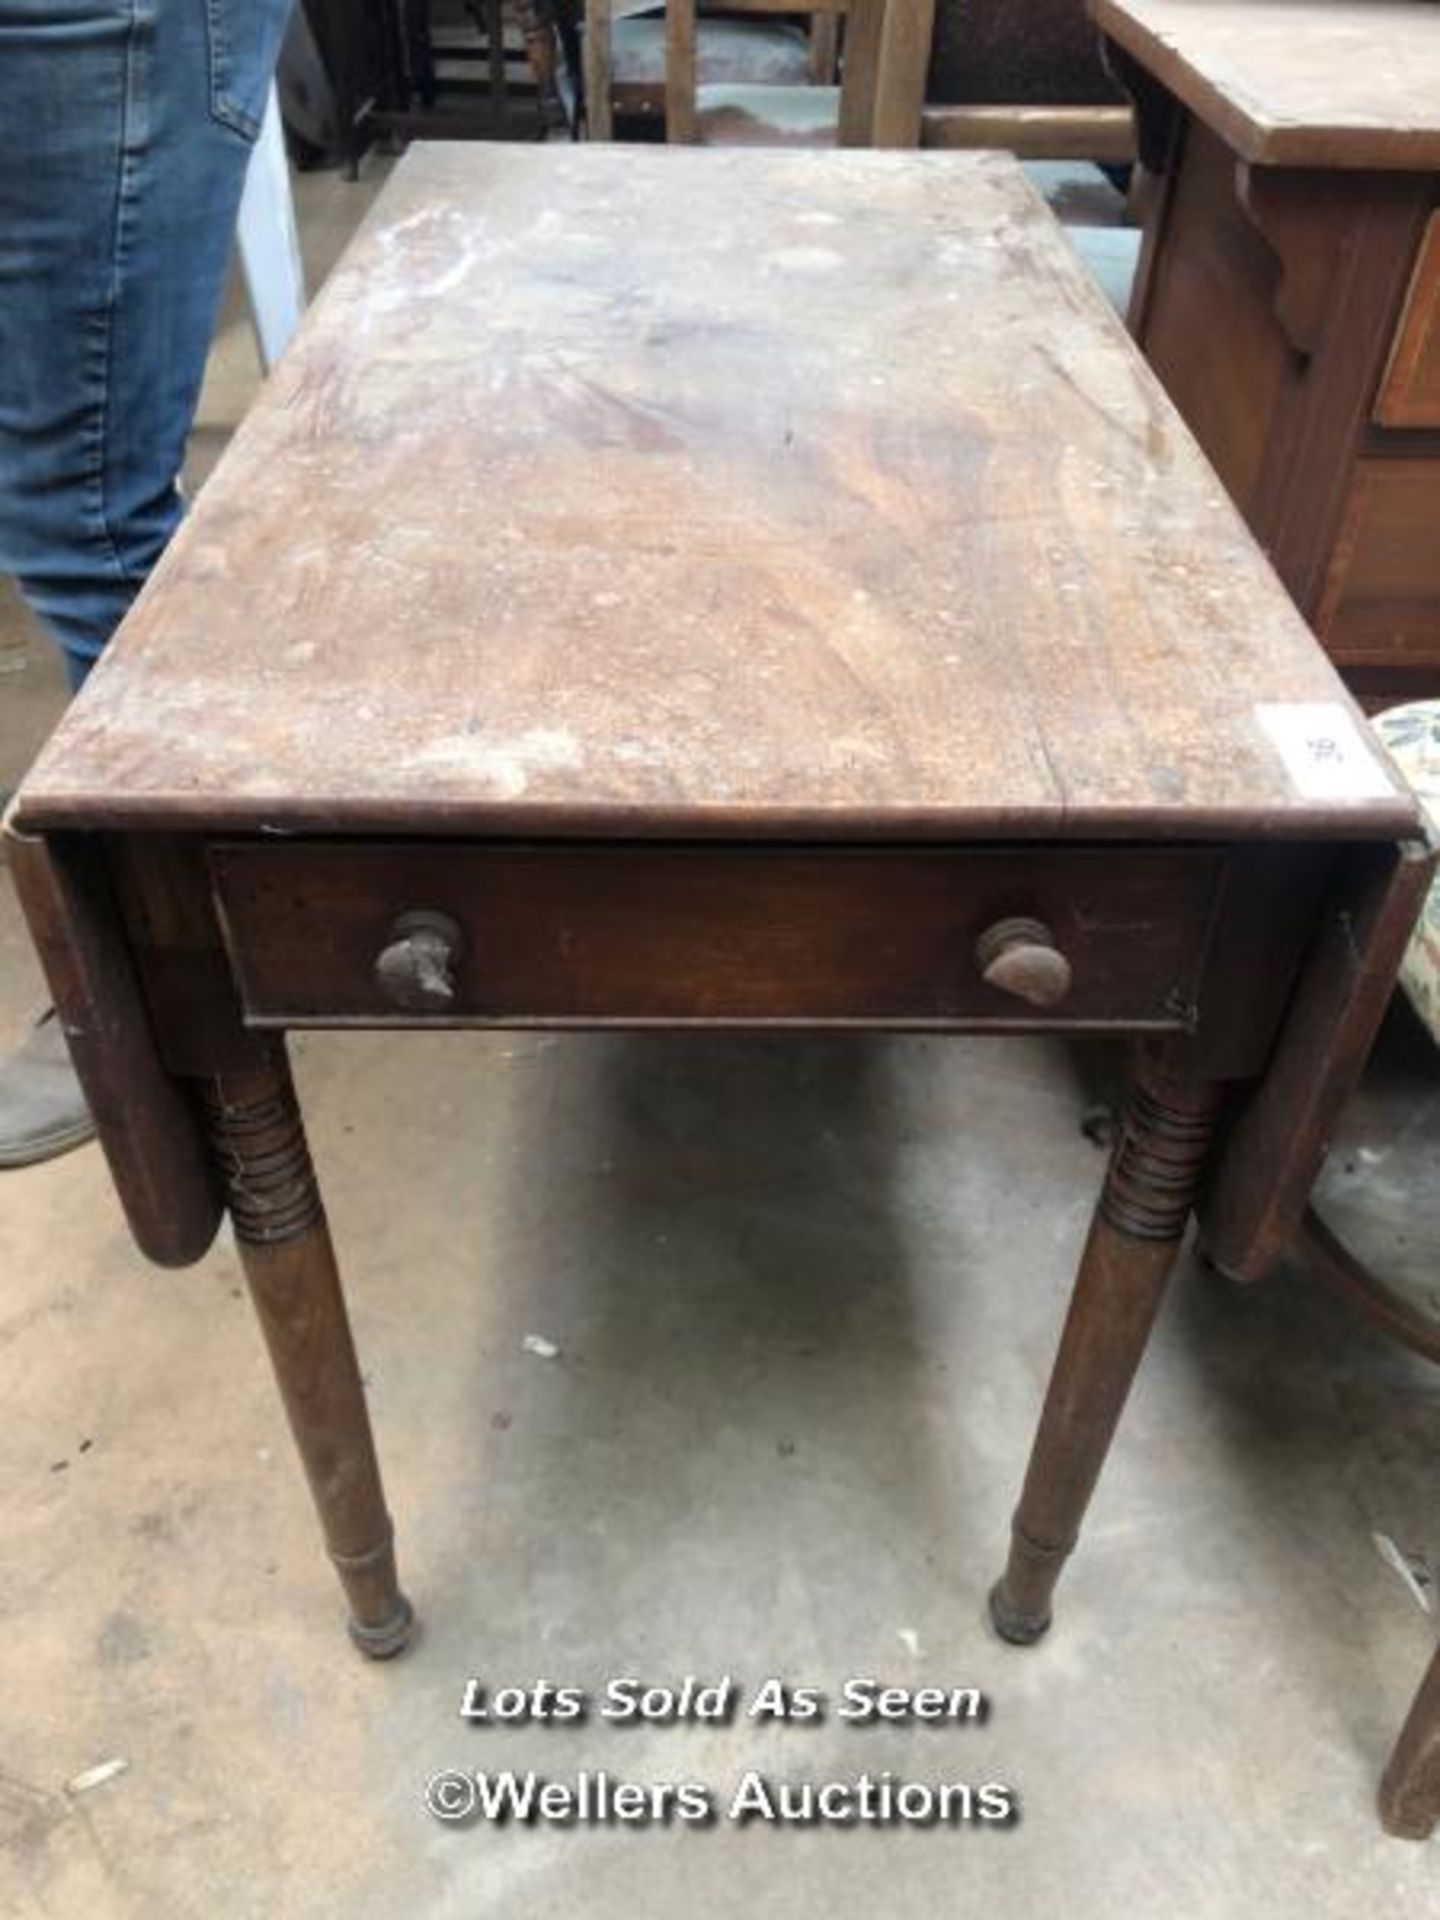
(1020, 957)
(416, 970)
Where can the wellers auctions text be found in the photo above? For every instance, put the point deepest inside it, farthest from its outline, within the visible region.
(598, 1799)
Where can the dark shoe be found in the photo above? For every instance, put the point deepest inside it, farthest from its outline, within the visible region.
(42, 1110)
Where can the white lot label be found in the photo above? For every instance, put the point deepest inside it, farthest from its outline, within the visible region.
(1326, 755)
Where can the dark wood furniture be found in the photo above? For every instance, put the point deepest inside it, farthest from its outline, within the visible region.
(472, 69)
(341, 62)
(1289, 293)
(818, 618)
(1024, 76)
(1034, 53)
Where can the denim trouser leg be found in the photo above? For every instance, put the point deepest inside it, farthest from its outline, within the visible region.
(127, 128)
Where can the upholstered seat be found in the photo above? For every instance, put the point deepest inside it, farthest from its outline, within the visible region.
(754, 116)
(762, 52)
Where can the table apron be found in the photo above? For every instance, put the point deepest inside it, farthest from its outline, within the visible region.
(604, 935)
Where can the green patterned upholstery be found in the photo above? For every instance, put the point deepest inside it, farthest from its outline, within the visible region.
(1412, 735)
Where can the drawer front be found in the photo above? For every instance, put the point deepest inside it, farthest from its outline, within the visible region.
(1410, 391)
(604, 935)
(1382, 601)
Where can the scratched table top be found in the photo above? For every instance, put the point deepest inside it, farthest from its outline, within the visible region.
(1327, 83)
(637, 492)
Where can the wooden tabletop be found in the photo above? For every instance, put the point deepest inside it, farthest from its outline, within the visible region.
(1306, 83)
(629, 491)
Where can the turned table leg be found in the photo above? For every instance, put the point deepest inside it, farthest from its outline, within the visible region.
(258, 1142)
(1410, 1791)
(1134, 1238)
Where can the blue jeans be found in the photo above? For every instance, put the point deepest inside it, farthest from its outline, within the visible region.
(127, 126)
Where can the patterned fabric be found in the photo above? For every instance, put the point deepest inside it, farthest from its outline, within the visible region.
(1412, 734)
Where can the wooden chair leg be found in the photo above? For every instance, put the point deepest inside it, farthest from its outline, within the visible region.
(420, 53)
(495, 46)
(1326, 1256)
(596, 67)
(824, 49)
(258, 1142)
(1410, 1790)
(1134, 1238)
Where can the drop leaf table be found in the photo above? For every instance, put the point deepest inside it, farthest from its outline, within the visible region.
(733, 590)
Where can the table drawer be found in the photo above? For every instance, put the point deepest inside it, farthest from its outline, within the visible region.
(628, 935)
(1382, 600)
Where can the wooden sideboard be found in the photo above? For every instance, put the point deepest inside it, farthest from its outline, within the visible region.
(1289, 294)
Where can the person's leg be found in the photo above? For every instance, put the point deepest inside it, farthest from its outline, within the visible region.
(128, 126)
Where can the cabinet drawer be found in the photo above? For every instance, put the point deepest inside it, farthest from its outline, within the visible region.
(630, 935)
(1410, 391)
(1382, 600)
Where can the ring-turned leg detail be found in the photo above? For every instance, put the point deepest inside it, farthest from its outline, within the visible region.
(257, 1138)
(1143, 1208)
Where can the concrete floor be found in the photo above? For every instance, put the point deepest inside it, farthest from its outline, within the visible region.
(805, 1295)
